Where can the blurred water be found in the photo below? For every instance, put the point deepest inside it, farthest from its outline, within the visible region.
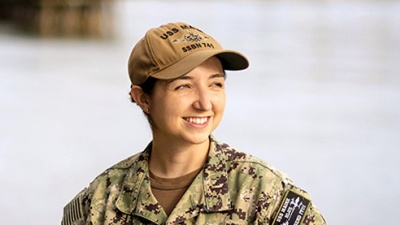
(320, 102)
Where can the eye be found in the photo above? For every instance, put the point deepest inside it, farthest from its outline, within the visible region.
(217, 84)
(183, 86)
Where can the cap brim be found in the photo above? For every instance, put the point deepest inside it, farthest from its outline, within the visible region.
(231, 60)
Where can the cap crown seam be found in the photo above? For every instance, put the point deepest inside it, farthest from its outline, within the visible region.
(150, 45)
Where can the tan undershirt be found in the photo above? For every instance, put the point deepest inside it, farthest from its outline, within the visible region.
(168, 191)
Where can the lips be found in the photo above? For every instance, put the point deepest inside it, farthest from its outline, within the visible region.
(197, 120)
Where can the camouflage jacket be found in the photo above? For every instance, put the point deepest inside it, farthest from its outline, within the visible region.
(232, 188)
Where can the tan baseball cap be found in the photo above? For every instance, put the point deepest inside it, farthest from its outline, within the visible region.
(172, 50)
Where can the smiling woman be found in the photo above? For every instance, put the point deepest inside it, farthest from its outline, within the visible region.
(185, 111)
(185, 176)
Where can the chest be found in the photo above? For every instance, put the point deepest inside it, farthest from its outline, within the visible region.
(233, 217)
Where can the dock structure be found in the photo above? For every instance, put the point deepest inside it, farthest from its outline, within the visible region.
(90, 18)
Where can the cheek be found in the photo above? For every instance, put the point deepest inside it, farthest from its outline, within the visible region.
(221, 102)
(166, 110)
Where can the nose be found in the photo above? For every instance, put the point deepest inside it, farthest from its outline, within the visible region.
(202, 100)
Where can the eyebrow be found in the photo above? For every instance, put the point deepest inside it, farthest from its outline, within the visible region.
(218, 75)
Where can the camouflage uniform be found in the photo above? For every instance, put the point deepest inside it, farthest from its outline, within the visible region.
(233, 188)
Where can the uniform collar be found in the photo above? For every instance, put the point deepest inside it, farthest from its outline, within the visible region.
(209, 191)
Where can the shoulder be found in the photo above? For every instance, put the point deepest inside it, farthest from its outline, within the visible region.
(277, 198)
(116, 173)
(128, 162)
(107, 183)
(113, 177)
(247, 164)
(274, 193)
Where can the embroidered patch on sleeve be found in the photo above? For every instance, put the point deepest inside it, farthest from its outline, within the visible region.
(73, 214)
(292, 209)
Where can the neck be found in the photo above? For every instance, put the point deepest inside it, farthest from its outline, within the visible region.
(169, 160)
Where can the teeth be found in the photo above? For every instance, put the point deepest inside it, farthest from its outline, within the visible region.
(197, 120)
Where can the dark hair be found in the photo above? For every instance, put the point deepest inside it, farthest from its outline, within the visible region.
(147, 87)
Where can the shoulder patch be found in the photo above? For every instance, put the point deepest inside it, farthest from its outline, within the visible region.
(292, 209)
(73, 214)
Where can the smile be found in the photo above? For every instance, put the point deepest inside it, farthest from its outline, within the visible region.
(197, 120)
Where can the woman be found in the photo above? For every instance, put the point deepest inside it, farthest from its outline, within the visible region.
(185, 176)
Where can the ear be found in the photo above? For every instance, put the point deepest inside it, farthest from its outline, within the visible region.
(141, 98)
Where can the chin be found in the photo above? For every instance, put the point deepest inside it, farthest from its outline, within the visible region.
(198, 139)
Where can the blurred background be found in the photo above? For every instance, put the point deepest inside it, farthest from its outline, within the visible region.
(320, 101)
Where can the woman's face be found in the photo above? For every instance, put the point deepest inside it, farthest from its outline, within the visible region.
(189, 108)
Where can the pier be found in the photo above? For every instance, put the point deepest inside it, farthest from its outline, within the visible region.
(60, 18)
